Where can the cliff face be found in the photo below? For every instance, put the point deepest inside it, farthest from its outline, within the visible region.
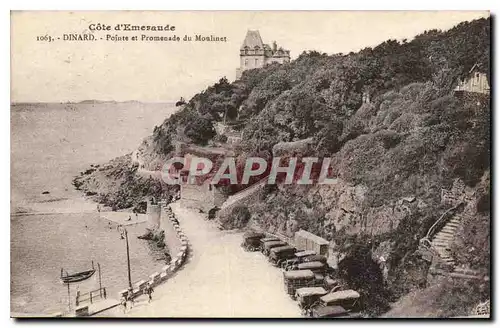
(333, 211)
(345, 209)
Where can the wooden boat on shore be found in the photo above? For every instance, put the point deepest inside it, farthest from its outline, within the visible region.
(76, 277)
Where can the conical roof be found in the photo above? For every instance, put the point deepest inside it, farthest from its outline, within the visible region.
(252, 40)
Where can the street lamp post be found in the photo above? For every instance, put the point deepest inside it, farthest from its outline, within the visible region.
(124, 235)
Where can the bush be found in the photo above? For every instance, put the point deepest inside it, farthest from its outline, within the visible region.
(200, 130)
(140, 207)
(220, 138)
(472, 244)
(445, 299)
(237, 219)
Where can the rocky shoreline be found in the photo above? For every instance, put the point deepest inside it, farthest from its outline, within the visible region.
(117, 186)
(156, 243)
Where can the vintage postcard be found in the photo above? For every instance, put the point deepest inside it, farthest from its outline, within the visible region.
(245, 164)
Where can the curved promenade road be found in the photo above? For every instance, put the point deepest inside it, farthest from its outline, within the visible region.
(219, 279)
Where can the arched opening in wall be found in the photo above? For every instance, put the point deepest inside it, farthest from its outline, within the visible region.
(365, 276)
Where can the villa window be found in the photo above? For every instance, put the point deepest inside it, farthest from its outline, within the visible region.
(246, 62)
(476, 79)
(256, 62)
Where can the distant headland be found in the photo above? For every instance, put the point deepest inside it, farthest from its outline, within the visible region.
(91, 102)
(95, 101)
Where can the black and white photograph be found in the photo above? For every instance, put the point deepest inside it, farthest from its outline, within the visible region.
(250, 164)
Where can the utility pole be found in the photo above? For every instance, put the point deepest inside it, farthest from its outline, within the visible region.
(69, 299)
(100, 282)
(124, 235)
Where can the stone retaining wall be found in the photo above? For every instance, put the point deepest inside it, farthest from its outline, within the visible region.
(166, 224)
(167, 271)
(245, 197)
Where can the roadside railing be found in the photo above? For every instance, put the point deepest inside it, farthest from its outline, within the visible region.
(440, 222)
(168, 270)
(91, 296)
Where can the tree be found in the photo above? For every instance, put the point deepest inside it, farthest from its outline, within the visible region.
(200, 130)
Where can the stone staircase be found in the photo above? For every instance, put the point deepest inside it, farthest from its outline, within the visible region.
(442, 240)
(436, 245)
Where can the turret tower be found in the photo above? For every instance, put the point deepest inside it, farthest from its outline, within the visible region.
(255, 54)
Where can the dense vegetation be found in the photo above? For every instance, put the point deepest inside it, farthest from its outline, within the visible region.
(413, 137)
(316, 91)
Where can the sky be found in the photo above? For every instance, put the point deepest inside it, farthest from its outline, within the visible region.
(62, 71)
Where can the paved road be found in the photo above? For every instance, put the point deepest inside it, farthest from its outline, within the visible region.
(219, 279)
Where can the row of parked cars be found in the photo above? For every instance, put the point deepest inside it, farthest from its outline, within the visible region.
(307, 278)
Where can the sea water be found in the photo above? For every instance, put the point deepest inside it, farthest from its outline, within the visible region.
(50, 144)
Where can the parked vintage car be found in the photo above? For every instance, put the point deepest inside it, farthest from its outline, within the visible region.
(266, 239)
(297, 259)
(282, 253)
(334, 311)
(316, 267)
(315, 258)
(296, 279)
(286, 264)
(303, 254)
(349, 299)
(268, 245)
(270, 238)
(251, 240)
(340, 304)
(307, 296)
